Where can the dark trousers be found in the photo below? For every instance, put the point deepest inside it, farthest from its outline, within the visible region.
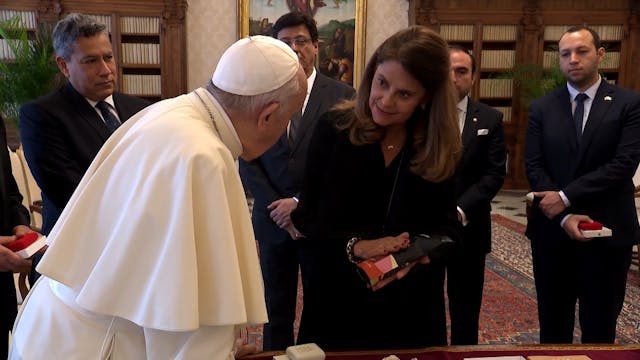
(589, 273)
(465, 282)
(280, 264)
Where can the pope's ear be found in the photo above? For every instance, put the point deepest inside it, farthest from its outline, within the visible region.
(264, 117)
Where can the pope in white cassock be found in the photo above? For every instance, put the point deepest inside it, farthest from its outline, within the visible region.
(154, 256)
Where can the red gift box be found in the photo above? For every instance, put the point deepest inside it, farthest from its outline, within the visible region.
(27, 245)
(590, 225)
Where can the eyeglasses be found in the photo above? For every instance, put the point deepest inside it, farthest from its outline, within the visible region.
(299, 41)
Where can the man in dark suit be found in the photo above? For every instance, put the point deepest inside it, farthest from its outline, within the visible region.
(582, 149)
(480, 176)
(15, 223)
(63, 131)
(274, 180)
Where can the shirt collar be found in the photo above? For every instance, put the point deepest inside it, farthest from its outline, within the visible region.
(462, 104)
(310, 81)
(591, 91)
(108, 100)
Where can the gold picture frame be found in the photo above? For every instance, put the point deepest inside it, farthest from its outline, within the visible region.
(345, 62)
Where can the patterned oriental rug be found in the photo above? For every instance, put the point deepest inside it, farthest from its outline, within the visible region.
(509, 312)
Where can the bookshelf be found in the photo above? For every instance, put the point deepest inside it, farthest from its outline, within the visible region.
(148, 38)
(496, 57)
(503, 33)
(140, 56)
(494, 47)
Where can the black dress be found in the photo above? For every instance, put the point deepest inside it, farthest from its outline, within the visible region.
(346, 193)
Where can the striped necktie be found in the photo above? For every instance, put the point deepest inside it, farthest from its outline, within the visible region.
(109, 119)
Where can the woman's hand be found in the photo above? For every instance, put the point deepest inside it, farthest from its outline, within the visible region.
(377, 248)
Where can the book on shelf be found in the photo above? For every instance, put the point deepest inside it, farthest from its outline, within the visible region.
(496, 88)
(554, 32)
(611, 60)
(6, 53)
(499, 33)
(550, 59)
(497, 59)
(453, 32)
(28, 18)
(611, 32)
(146, 85)
(140, 53)
(506, 112)
(140, 25)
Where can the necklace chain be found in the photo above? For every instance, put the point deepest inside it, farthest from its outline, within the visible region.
(208, 110)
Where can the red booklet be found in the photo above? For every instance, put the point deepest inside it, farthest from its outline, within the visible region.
(27, 245)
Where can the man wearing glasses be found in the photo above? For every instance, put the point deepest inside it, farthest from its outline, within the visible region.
(274, 181)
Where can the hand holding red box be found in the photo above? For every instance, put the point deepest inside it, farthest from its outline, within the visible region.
(593, 229)
(27, 245)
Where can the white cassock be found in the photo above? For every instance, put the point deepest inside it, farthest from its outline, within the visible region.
(154, 256)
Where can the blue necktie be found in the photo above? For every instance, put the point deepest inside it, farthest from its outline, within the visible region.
(109, 119)
(578, 113)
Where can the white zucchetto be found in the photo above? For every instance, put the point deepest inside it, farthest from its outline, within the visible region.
(255, 65)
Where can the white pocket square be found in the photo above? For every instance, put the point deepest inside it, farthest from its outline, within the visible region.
(483, 132)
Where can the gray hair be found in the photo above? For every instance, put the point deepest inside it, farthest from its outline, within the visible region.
(69, 29)
(253, 103)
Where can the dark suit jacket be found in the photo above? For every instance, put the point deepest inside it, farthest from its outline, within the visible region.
(61, 134)
(278, 172)
(12, 214)
(480, 173)
(596, 175)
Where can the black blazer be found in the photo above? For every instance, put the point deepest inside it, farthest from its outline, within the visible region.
(279, 171)
(12, 214)
(480, 173)
(61, 134)
(596, 175)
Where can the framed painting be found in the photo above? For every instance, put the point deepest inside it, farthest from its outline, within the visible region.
(341, 31)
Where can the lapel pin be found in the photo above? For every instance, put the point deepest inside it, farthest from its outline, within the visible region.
(475, 120)
(607, 98)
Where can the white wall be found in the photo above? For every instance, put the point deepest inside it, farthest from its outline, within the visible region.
(212, 27)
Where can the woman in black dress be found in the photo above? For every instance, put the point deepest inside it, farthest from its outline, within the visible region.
(379, 169)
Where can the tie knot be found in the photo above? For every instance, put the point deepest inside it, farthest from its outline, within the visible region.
(102, 105)
(581, 97)
(109, 118)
